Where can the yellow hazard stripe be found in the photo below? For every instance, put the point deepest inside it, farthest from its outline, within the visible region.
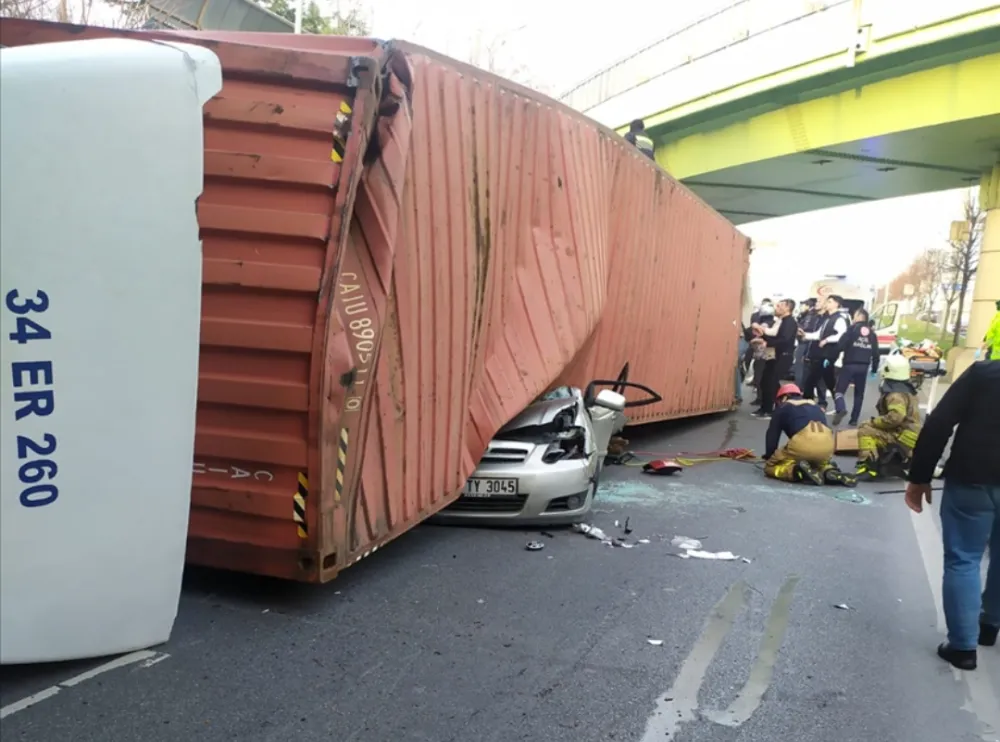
(299, 506)
(341, 463)
(340, 132)
(337, 154)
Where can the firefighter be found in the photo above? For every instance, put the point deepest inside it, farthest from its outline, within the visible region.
(888, 440)
(807, 457)
(860, 346)
(637, 137)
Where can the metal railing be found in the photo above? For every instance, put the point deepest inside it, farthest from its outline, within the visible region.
(713, 33)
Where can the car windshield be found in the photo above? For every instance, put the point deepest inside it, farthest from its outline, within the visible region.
(560, 392)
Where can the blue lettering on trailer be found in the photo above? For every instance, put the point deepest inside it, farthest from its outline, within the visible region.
(34, 395)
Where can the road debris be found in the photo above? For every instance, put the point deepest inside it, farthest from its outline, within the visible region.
(683, 542)
(644, 541)
(591, 532)
(628, 528)
(534, 546)
(843, 606)
(721, 556)
(547, 534)
(655, 642)
(746, 561)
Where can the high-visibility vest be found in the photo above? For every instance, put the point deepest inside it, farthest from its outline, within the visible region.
(645, 145)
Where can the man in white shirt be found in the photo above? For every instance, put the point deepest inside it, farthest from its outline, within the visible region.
(825, 348)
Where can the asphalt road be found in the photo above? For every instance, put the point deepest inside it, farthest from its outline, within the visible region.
(461, 634)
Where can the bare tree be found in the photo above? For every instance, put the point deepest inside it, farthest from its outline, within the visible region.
(963, 253)
(494, 53)
(928, 271)
(107, 13)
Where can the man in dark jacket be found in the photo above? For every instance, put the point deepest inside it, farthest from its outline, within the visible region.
(970, 506)
(860, 347)
(779, 341)
(637, 137)
(808, 319)
(824, 348)
(808, 455)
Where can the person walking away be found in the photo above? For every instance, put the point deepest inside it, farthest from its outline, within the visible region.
(779, 340)
(860, 346)
(970, 506)
(762, 318)
(991, 342)
(636, 136)
(825, 348)
(897, 426)
(808, 455)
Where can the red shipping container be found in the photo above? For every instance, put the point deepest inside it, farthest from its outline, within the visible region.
(400, 253)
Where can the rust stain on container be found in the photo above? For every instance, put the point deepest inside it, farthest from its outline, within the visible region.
(400, 253)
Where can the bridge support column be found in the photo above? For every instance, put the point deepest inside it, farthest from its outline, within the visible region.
(987, 289)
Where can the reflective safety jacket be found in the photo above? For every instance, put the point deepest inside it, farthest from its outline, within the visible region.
(897, 408)
(643, 143)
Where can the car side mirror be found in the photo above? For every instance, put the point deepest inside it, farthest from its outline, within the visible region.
(610, 400)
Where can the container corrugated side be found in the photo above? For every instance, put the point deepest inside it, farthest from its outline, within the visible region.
(674, 297)
(602, 230)
(285, 262)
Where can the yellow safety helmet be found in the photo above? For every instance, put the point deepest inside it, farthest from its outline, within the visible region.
(896, 368)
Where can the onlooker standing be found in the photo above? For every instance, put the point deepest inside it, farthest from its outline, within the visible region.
(811, 320)
(762, 318)
(825, 349)
(636, 136)
(805, 319)
(780, 341)
(970, 506)
(860, 346)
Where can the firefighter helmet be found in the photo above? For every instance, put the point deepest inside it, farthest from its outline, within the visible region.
(787, 389)
(896, 368)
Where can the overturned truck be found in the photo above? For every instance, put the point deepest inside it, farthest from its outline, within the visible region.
(400, 252)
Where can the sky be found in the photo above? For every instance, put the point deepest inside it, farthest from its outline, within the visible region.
(557, 43)
(870, 243)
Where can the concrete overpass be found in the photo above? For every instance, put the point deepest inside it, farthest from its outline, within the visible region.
(768, 108)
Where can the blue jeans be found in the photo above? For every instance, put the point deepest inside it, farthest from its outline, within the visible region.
(970, 520)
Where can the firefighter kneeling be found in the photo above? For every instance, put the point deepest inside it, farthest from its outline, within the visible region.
(807, 457)
(885, 443)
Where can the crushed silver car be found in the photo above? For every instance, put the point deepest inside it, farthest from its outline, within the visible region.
(542, 468)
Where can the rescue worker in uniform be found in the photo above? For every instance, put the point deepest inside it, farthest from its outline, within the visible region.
(897, 426)
(860, 346)
(807, 457)
(991, 342)
(637, 137)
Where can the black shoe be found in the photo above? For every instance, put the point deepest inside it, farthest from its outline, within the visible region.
(758, 415)
(836, 476)
(807, 473)
(853, 423)
(988, 635)
(756, 402)
(963, 659)
(838, 418)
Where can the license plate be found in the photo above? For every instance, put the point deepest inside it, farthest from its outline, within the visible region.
(493, 487)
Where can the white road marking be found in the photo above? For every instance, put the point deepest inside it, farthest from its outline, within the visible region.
(680, 704)
(147, 657)
(981, 698)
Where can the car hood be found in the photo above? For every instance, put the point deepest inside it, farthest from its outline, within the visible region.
(540, 414)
